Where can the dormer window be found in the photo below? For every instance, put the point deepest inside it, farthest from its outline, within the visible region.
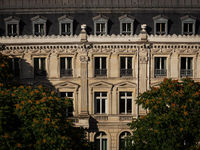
(66, 25)
(188, 25)
(126, 24)
(12, 26)
(100, 25)
(160, 25)
(39, 25)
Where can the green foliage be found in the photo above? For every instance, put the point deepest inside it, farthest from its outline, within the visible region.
(173, 120)
(36, 119)
(5, 74)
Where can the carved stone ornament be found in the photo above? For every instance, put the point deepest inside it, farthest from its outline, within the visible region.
(84, 59)
(143, 59)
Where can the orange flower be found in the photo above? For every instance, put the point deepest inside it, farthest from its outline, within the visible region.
(23, 113)
(57, 98)
(40, 86)
(37, 101)
(16, 105)
(29, 101)
(13, 94)
(164, 94)
(50, 97)
(6, 136)
(1, 84)
(173, 104)
(19, 145)
(155, 106)
(183, 106)
(36, 91)
(147, 102)
(2, 65)
(47, 119)
(52, 92)
(190, 100)
(20, 107)
(23, 102)
(185, 113)
(29, 87)
(66, 102)
(43, 94)
(181, 91)
(56, 126)
(31, 93)
(44, 140)
(2, 92)
(181, 129)
(21, 87)
(142, 117)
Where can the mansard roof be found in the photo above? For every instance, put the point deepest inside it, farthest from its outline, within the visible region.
(11, 17)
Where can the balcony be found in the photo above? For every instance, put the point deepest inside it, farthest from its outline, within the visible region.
(40, 73)
(100, 72)
(186, 72)
(126, 72)
(66, 72)
(160, 72)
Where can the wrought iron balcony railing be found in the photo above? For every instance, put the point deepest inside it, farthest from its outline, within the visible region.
(186, 72)
(126, 72)
(160, 72)
(100, 72)
(66, 72)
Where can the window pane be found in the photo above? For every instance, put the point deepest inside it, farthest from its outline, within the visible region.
(163, 27)
(129, 62)
(63, 27)
(43, 63)
(103, 62)
(42, 29)
(122, 94)
(183, 62)
(190, 27)
(62, 94)
(122, 62)
(97, 94)
(103, 106)
(69, 63)
(98, 27)
(9, 28)
(97, 62)
(189, 63)
(124, 27)
(36, 63)
(14, 28)
(122, 105)
(36, 28)
(62, 63)
(128, 26)
(70, 94)
(98, 105)
(185, 27)
(129, 105)
(163, 62)
(129, 93)
(68, 27)
(158, 27)
(104, 144)
(103, 27)
(157, 62)
(104, 94)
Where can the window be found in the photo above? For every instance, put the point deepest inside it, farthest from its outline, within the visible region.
(126, 66)
(12, 26)
(122, 137)
(100, 25)
(100, 102)
(186, 67)
(39, 25)
(126, 24)
(160, 25)
(100, 66)
(188, 25)
(125, 102)
(69, 111)
(160, 66)
(14, 67)
(39, 67)
(101, 141)
(66, 66)
(66, 25)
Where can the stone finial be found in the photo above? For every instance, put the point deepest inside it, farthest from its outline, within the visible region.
(144, 26)
(83, 33)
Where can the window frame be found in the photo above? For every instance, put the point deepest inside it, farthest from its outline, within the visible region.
(100, 98)
(102, 20)
(160, 70)
(38, 20)
(188, 19)
(38, 76)
(65, 20)
(100, 66)
(160, 19)
(126, 19)
(126, 98)
(13, 67)
(127, 133)
(100, 139)
(68, 70)
(67, 110)
(126, 69)
(186, 69)
(12, 20)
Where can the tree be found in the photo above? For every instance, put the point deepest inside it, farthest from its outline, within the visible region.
(173, 120)
(35, 118)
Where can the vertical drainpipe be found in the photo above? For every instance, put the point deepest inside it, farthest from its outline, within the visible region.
(149, 66)
(137, 107)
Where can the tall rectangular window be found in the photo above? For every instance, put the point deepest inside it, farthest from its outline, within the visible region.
(69, 111)
(188, 28)
(66, 66)
(160, 28)
(126, 66)
(39, 29)
(39, 67)
(100, 66)
(66, 28)
(160, 66)
(100, 102)
(15, 67)
(100, 28)
(126, 28)
(125, 102)
(12, 29)
(186, 66)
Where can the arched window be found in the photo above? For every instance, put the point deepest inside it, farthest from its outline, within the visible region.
(101, 141)
(122, 137)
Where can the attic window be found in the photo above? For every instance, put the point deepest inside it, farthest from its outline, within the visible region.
(100, 25)
(12, 26)
(39, 25)
(160, 25)
(126, 24)
(188, 25)
(66, 25)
